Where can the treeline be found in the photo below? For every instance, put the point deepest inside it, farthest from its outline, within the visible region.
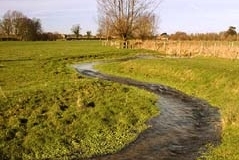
(16, 26)
(228, 35)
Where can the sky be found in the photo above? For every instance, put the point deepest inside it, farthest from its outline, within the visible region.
(191, 16)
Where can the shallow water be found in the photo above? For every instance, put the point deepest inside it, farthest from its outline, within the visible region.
(181, 131)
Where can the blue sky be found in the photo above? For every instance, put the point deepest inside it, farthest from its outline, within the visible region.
(191, 16)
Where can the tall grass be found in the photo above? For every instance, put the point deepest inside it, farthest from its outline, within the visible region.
(222, 49)
(213, 79)
(48, 111)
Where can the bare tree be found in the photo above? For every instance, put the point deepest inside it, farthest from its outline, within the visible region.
(100, 33)
(231, 33)
(16, 24)
(146, 26)
(105, 27)
(30, 29)
(1, 30)
(12, 20)
(76, 30)
(6, 24)
(121, 16)
(88, 34)
(17, 19)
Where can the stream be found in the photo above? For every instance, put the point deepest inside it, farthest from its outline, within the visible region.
(185, 124)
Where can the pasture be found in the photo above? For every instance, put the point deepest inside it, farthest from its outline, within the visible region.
(49, 111)
(214, 79)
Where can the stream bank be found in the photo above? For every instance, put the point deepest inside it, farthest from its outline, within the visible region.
(185, 124)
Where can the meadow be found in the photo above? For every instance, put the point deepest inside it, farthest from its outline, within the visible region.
(49, 111)
(214, 79)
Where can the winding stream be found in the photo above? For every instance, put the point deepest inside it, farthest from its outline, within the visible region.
(181, 131)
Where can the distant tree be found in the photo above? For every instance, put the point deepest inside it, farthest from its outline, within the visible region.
(179, 36)
(49, 36)
(33, 29)
(205, 36)
(145, 26)
(29, 29)
(1, 31)
(105, 27)
(100, 33)
(76, 30)
(222, 35)
(17, 19)
(231, 33)
(6, 24)
(16, 24)
(122, 17)
(88, 34)
(213, 36)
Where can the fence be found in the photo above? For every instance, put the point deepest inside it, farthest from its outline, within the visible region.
(221, 49)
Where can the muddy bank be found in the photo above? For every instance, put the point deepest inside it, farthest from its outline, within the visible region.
(181, 131)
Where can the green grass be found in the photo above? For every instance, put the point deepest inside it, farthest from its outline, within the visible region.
(48, 111)
(213, 79)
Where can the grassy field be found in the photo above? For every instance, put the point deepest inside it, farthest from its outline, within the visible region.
(213, 79)
(48, 111)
